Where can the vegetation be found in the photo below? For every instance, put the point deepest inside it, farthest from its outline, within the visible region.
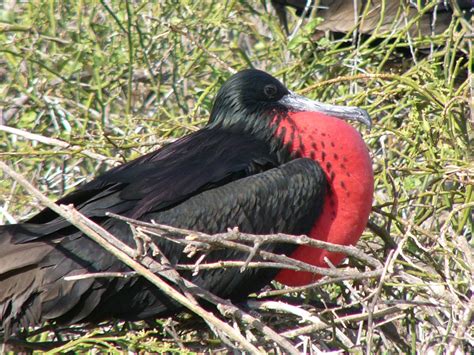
(102, 82)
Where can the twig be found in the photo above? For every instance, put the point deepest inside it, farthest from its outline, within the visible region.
(325, 281)
(57, 143)
(301, 19)
(239, 264)
(221, 238)
(373, 304)
(382, 233)
(352, 318)
(170, 329)
(97, 275)
(461, 328)
(299, 312)
(251, 255)
(207, 266)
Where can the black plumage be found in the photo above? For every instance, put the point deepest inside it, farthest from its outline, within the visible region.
(233, 173)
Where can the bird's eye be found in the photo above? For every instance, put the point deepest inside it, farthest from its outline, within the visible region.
(270, 90)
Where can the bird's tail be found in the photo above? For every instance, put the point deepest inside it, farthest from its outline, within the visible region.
(21, 278)
(34, 261)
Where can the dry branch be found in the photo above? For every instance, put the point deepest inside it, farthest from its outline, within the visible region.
(227, 240)
(352, 318)
(57, 143)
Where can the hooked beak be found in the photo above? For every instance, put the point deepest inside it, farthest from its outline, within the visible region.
(295, 102)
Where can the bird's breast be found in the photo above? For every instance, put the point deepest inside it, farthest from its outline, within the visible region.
(341, 152)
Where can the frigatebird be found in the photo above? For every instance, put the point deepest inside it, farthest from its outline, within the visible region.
(267, 161)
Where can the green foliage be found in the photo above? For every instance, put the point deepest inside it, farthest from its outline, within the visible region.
(120, 78)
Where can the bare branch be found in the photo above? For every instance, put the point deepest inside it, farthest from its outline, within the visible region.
(56, 143)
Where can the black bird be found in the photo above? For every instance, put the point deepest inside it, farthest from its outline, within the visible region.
(247, 168)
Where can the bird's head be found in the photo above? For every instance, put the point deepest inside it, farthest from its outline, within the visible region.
(250, 100)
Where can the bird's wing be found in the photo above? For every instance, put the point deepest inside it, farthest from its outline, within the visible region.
(284, 199)
(287, 199)
(154, 182)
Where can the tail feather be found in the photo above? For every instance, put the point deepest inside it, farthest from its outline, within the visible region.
(21, 280)
(17, 256)
(19, 306)
(33, 289)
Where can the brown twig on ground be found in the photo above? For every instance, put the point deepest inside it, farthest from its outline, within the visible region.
(352, 318)
(325, 281)
(305, 316)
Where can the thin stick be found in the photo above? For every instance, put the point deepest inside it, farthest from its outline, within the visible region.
(97, 275)
(352, 318)
(55, 142)
(253, 238)
(206, 266)
(219, 240)
(299, 312)
(325, 281)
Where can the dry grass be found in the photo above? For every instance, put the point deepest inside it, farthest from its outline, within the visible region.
(114, 80)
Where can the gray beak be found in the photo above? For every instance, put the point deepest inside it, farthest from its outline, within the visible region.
(297, 103)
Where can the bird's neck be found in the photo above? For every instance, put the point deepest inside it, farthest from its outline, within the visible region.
(257, 125)
(343, 155)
